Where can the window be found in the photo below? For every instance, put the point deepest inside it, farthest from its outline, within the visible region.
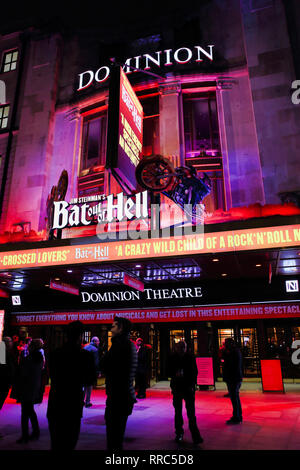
(277, 342)
(10, 61)
(86, 337)
(4, 112)
(175, 337)
(150, 125)
(94, 142)
(202, 144)
(249, 350)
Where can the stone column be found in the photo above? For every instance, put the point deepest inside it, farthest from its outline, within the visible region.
(241, 160)
(170, 122)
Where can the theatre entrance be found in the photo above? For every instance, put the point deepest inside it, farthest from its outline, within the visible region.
(246, 338)
(199, 339)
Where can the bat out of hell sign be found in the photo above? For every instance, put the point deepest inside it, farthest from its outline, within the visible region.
(179, 314)
(218, 242)
(124, 131)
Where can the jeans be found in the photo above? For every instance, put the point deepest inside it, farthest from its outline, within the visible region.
(189, 397)
(64, 431)
(141, 383)
(28, 413)
(116, 420)
(87, 394)
(233, 390)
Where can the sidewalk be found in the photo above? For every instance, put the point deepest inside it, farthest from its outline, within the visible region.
(271, 421)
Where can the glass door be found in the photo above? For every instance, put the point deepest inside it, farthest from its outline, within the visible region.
(249, 350)
(175, 337)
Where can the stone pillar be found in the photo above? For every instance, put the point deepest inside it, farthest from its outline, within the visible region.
(241, 161)
(170, 122)
(35, 137)
(271, 71)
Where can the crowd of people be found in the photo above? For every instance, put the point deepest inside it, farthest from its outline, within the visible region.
(125, 369)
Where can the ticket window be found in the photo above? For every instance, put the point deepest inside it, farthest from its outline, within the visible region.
(175, 337)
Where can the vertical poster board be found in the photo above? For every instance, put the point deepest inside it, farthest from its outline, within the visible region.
(271, 375)
(124, 130)
(205, 371)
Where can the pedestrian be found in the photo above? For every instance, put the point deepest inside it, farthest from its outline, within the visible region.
(6, 372)
(119, 366)
(142, 368)
(93, 347)
(71, 368)
(183, 373)
(233, 376)
(30, 368)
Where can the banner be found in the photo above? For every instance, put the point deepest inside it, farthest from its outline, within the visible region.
(203, 313)
(217, 242)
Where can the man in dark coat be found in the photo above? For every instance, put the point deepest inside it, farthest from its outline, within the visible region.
(183, 372)
(71, 368)
(233, 376)
(119, 366)
(142, 368)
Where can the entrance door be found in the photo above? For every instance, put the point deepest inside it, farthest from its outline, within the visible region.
(175, 337)
(223, 333)
(246, 338)
(249, 350)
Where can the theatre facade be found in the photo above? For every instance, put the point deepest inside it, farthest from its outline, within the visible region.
(87, 233)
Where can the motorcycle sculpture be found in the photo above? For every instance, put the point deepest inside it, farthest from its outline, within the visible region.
(181, 184)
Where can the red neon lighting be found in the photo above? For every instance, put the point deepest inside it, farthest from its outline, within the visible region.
(160, 315)
(217, 242)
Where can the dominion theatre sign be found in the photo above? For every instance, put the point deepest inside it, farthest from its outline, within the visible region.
(165, 58)
(148, 294)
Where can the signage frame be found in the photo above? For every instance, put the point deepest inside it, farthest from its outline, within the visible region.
(265, 363)
(210, 375)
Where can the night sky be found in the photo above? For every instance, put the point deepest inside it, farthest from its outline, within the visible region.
(115, 14)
